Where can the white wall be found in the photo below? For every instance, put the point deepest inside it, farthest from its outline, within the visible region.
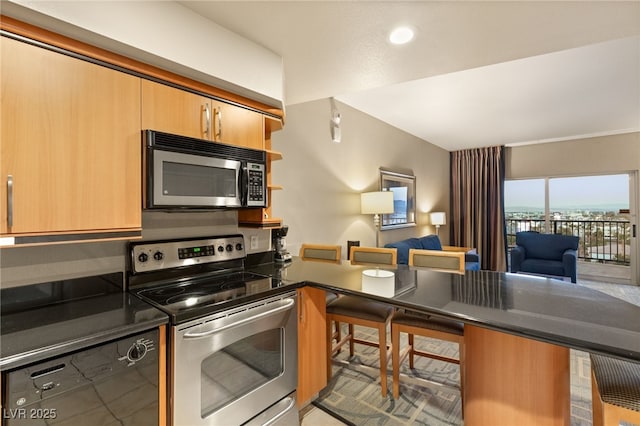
(167, 35)
(323, 180)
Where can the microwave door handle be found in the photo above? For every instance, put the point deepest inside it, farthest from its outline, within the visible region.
(243, 185)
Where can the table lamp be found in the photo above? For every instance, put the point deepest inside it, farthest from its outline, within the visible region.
(376, 203)
(437, 219)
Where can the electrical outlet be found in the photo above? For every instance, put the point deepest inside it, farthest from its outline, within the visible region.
(254, 242)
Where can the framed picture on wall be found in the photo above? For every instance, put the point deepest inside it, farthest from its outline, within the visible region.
(403, 186)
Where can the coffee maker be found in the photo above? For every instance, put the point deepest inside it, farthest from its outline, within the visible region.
(280, 244)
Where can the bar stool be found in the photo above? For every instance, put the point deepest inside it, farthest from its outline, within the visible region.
(324, 253)
(415, 324)
(359, 311)
(430, 326)
(615, 391)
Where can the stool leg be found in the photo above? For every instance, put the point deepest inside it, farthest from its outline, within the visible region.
(395, 357)
(382, 345)
(329, 350)
(411, 351)
(461, 355)
(351, 337)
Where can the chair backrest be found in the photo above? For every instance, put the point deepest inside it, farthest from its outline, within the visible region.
(546, 246)
(373, 255)
(437, 259)
(320, 252)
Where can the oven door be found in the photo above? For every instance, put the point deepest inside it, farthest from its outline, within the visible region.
(183, 180)
(229, 367)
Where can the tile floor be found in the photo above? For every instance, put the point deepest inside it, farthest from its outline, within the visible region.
(313, 416)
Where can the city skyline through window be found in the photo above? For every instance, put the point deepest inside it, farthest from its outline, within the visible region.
(594, 208)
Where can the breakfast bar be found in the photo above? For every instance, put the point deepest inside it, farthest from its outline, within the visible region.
(518, 331)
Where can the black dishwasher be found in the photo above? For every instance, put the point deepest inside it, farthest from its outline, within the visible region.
(112, 383)
(79, 351)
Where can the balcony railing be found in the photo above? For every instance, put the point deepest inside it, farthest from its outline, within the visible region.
(606, 241)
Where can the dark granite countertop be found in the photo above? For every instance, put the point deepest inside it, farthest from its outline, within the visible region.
(533, 307)
(50, 319)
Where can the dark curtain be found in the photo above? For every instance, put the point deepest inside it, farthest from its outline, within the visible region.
(477, 204)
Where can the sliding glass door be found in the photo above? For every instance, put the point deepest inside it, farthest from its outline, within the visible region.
(601, 210)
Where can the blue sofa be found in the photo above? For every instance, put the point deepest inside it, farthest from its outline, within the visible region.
(545, 254)
(432, 242)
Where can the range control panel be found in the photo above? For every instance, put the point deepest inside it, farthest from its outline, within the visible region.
(154, 256)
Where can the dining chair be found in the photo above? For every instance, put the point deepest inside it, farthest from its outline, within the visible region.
(358, 311)
(373, 255)
(429, 326)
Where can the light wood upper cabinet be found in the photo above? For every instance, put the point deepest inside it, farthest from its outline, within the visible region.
(170, 110)
(70, 142)
(237, 126)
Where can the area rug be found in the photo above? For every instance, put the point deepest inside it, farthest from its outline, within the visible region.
(429, 394)
(353, 394)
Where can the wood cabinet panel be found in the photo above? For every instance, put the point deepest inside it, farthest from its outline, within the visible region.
(237, 126)
(513, 380)
(312, 365)
(171, 110)
(71, 140)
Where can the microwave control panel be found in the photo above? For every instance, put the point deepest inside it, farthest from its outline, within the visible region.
(256, 195)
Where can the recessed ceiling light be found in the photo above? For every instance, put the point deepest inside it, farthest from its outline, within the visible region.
(401, 35)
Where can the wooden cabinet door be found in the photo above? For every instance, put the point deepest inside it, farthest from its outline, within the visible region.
(171, 110)
(235, 125)
(312, 353)
(70, 140)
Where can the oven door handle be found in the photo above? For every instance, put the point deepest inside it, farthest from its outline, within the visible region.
(288, 304)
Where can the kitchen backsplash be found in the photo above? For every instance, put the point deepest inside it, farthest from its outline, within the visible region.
(29, 265)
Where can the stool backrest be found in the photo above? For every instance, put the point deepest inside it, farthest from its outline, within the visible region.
(321, 252)
(373, 255)
(436, 259)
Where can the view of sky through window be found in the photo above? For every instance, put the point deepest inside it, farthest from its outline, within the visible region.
(605, 193)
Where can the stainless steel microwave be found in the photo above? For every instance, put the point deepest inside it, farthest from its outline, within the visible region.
(188, 173)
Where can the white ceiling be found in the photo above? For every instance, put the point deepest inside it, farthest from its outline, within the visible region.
(477, 74)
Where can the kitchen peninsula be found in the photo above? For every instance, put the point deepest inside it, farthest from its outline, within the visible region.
(518, 331)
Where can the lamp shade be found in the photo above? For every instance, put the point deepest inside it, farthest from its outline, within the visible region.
(438, 218)
(380, 202)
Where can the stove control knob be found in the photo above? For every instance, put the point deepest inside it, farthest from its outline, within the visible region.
(239, 246)
(229, 247)
(137, 351)
(158, 255)
(143, 257)
(220, 249)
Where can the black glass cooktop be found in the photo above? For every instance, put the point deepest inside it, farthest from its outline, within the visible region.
(199, 296)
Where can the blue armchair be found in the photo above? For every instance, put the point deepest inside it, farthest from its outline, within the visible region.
(545, 254)
(432, 242)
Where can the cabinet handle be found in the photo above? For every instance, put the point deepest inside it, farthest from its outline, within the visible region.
(207, 120)
(9, 201)
(218, 114)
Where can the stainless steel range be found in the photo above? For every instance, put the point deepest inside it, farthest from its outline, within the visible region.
(233, 334)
